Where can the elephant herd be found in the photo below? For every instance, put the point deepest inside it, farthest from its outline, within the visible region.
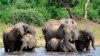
(60, 36)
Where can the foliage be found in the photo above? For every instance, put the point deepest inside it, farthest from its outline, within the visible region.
(39, 11)
(28, 16)
(57, 13)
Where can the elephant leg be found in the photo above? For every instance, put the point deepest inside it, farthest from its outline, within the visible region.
(79, 46)
(22, 47)
(11, 47)
(5, 43)
(88, 46)
(46, 43)
(17, 45)
(6, 46)
(47, 46)
(6, 49)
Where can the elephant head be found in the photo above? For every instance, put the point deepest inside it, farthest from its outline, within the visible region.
(70, 26)
(70, 34)
(21, 29)
(18, 32)
(67, 37)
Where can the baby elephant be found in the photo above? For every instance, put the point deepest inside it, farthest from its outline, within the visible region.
(83, 42)
(29, 42)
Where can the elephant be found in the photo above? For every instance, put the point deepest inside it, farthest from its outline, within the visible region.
(12, 36)
(11, 39)
(28, 42)
(83, 42)
(64, 31)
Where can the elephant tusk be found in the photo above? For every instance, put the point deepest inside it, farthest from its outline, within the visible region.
(62, 40)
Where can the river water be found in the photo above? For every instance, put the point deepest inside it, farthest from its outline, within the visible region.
(41, 52)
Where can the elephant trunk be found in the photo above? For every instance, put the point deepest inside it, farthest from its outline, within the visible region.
(67, 38)
(92, 41)
(67, 42)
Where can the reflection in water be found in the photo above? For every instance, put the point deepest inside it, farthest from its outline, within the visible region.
(41, 52)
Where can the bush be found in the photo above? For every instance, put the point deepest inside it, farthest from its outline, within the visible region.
(78, 12)
(44, 12)
(92, 14)
(28, 16)
(23, 5)
(57, 13)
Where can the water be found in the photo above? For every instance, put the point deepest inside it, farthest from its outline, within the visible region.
(41, 52)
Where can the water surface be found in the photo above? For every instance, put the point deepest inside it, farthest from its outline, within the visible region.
(41, 52)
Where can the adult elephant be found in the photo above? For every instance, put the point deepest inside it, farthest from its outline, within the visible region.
(83, 42)
(13, 36)
(64, 33)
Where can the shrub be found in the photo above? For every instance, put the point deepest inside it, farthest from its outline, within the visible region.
(57, 12)
(28, 16)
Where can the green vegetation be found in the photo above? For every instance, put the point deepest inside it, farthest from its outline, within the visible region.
(39, 11)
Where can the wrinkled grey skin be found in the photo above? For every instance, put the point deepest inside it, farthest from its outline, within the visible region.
(13, 35)
(28, 42)
(83, 42)
(64, 31)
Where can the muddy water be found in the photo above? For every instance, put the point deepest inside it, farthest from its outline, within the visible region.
(41, 52)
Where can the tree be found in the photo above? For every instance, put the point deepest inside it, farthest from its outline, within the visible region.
(68, 8)
(68, 4)
(85, 9)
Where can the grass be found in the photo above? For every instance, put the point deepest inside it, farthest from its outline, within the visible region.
(40, 40)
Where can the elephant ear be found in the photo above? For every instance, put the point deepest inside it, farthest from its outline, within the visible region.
(25, 28)
(60, 31)
(82, 36)
(29, 29)
(61, 26)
